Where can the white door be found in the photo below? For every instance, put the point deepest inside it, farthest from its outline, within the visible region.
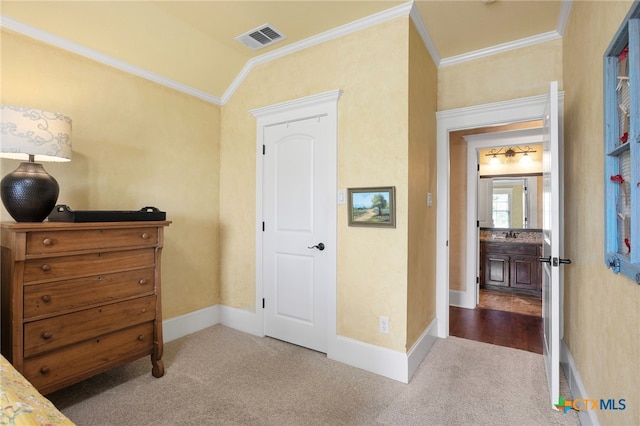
(552, 244)
(297, 199)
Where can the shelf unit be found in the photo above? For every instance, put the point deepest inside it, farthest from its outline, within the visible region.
(622, 148)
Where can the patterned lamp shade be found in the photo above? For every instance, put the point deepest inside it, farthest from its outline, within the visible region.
(29, 193)
(26, 131)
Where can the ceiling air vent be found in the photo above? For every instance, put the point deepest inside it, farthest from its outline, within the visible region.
(261, 37)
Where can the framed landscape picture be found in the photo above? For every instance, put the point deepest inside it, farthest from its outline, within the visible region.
(375, 207)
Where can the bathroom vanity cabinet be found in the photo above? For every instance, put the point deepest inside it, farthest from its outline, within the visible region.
(511, 265)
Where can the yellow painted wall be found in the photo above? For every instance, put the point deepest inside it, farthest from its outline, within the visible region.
(371, 67)
(511, 75)
(421, 285)
(602, 310)
(135, 143)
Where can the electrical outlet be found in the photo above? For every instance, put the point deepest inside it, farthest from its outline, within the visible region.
(384, 325)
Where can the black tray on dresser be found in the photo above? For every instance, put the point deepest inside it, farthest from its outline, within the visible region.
(62, 213)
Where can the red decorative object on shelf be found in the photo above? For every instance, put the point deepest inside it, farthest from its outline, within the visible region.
(628, 244)
(624, 138)
(617, 178)
(623, 54)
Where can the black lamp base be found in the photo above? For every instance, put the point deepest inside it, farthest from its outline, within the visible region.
(29, 193)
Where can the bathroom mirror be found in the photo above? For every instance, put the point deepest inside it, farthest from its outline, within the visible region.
(510, 202)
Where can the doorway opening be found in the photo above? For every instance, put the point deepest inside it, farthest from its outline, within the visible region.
(497, 272)
(507, 180)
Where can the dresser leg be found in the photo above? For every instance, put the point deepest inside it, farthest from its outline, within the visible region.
(158, 367)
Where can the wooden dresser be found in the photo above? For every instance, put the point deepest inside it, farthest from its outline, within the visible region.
(80, 298)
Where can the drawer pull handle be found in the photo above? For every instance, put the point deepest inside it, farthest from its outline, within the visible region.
(144, 236)
(46, 299)
(47, 242)
(141, 337)
(46, 335)
(143, 281)
(44, 370)
(46, 267)
(143, 310)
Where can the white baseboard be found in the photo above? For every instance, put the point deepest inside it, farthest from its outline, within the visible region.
(241, 320)
(382, 361)
(462, 299)
(183, 325)
(375, 359)
(578, 391)
(421, 348)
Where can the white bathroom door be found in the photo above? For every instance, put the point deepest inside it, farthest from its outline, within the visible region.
(552, 241)
(297, 202)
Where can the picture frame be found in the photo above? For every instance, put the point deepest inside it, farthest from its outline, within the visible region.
(372, 207)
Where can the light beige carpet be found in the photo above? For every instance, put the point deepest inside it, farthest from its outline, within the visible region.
(220, 376)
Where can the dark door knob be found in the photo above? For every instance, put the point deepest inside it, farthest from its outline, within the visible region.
(319, 246)
(557, 261)
(545, 259)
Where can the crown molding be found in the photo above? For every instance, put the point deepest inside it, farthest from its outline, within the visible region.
(424, 33)
(360, 24)
(76, 48)
(517, 44)
(564, 16)
(501, 48)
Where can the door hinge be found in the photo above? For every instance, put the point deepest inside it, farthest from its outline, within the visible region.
(478, 166)
(263, 303)
(262, 226)
(477, 280)
(477, 224)
(264, 149)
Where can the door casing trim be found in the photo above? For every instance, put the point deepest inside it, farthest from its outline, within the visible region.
(493, 114)
(325, 104)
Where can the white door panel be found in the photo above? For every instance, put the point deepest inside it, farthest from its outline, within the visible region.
(551, 250)
(296, 199)
(293, 170)
(294, 287)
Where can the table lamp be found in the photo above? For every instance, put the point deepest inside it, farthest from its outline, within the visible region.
(29, 193)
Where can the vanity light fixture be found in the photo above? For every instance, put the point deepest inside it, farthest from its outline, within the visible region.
(525, 159)
(510, 154)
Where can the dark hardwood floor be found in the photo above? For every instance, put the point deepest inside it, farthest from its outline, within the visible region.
(501, 328)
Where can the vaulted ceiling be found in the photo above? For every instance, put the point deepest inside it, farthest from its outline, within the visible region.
(192, 44)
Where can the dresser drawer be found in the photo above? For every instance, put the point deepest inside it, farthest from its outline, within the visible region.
(58, 268)
(43, 242)
(88, 358)
(52, 333)
(64, 296)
